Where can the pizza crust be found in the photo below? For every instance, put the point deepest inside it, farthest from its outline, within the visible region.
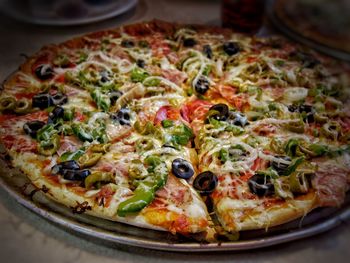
(239, 215)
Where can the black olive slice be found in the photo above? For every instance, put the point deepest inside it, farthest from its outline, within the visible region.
(182, 168)
(205, 182)
(222, 110)
(104, 76)
(308, 110)
(140, 63)
(67, 165)
(202, 85)
(261, 185)
(231, 48)
(57, 112)
(237, 118)
(114, 96)
(208, 51)
(59, 98)
(122, 116)
(44, 72)
(292, 108)
(75, 175)
(31, 128)
(42, 101)
(280, 167)
(127, 43)
(189, 42)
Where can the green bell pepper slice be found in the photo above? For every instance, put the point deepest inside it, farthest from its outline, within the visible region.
(144, 194)
(81, 133)
(49, 147)
(102, 101)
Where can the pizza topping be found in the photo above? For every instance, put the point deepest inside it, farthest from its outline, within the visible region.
(205, 182)
(114, 96)
(102, 101)
(295, 94)
(208, 51)
(89, 159)
(182, 168)
(231, 48)
(282, 187)
(261, 185)
(202, 85)
(144, 193)
(7, 103)
(144, 144)
(128, 43)
(96, 179)
(189, 42)
(66, 165)
(23, 106)
(42, 101)
(280, 163)
(237, 118)
(178, 135)
(70, 170)
(218, 112)
(49, 140)
(331, 130)
(32, 127)
(307, 111)
(55, 114)
(75, 175)
(91, 131)
(299, 183)
(123, 116)
(44, 72)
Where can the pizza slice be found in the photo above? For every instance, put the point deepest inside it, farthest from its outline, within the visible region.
(267, 172)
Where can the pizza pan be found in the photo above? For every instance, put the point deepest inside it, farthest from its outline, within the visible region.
(288, 31)
(112, 233)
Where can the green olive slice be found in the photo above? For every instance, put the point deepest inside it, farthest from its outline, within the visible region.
(89, 159)
(22, 106)
(100, 148)
(97, 177)
(7, 103)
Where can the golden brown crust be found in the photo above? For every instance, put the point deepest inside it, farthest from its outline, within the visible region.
(251, 214)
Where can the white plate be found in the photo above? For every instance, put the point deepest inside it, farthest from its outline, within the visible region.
(65, 12)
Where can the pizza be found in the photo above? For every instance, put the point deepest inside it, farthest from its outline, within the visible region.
(307, 18)
(194, 130)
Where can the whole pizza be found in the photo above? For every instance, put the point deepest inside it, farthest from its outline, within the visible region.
(181, 128)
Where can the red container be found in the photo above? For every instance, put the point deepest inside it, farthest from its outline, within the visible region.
(243, 15)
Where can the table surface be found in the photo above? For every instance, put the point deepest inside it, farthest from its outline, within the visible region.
(26, 237)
